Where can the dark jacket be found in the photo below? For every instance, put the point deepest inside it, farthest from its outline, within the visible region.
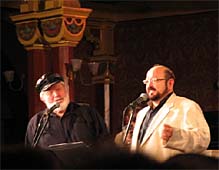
(79, 123)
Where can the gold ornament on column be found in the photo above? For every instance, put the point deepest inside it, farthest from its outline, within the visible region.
(56, 22)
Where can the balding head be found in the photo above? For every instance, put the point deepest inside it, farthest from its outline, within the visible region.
(163, 70)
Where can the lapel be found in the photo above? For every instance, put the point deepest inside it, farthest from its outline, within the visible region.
(142, 113)
(161, 114)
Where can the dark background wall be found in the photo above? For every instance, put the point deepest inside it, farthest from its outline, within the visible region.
(188, 44)
(14, 104)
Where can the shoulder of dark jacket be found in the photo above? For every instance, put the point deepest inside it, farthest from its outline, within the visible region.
(85, 110)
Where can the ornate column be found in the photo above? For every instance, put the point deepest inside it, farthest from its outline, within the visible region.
(49, 30)
(101, 33)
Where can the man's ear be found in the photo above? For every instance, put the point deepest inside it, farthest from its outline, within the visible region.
(171, 83)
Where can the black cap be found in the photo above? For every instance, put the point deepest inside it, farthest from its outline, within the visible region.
(47, 80)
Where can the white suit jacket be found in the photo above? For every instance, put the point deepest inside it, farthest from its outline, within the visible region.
(191, 132)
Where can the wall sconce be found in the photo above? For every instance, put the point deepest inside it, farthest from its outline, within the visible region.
(97, 70)
(216, 84)
(9, 77)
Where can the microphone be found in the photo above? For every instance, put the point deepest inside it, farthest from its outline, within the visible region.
(51, 109)
(142, 98)
(44, 122)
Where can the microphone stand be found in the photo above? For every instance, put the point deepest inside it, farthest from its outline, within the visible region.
(40, 129)
(133, 109)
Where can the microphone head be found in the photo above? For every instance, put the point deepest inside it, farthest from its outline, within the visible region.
(55, 106)
(144, 96)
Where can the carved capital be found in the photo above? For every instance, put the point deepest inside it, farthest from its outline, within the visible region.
(27, 32)
(56, 27)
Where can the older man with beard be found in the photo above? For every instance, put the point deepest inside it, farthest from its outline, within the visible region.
(67, 121)
(170, 124)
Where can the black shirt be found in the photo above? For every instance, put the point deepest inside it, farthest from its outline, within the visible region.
(79, 123)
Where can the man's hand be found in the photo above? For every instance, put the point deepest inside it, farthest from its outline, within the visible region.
(167, 132)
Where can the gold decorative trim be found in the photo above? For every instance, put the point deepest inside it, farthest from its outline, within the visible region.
(27, 32)
(57, 25)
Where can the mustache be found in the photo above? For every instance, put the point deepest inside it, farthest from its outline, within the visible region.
(151, 88)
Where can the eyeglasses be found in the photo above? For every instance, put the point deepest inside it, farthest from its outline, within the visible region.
(153, 80)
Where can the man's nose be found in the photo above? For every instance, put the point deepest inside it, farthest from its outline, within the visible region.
(55, 93)
(150, 83)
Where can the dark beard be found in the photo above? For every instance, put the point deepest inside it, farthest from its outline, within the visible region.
(155, 98)
(160, 95)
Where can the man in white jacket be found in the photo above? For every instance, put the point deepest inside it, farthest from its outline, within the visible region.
(170, 124)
